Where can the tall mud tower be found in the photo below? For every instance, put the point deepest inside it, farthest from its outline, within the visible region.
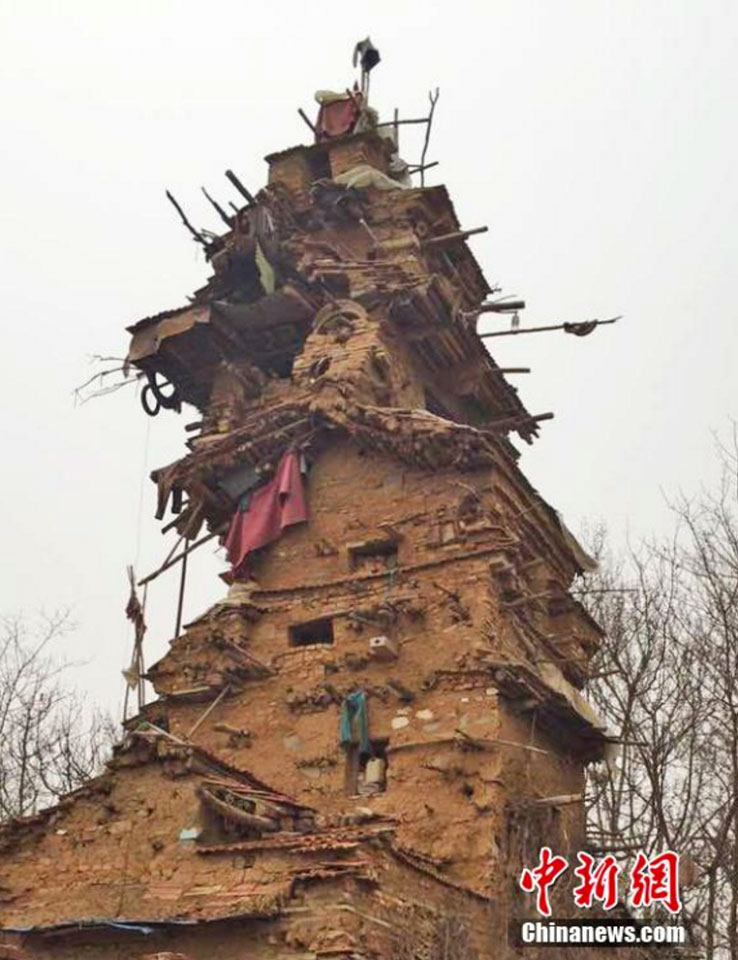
(355, 752)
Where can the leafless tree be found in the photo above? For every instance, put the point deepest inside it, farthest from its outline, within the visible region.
(667, 678)
(49, 742)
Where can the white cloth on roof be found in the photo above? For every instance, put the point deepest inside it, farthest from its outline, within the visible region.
(364, 175)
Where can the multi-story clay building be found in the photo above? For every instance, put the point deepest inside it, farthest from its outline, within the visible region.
(356, 751)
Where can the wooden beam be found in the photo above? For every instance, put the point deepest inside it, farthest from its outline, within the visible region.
(170, 563)
(307, 120)
(420, 167)
(453, 237)
(433, 97)
(513, 423)
(195, 233)
(501, 306)
(559, 801)
(180, 600)
(240, 187)
(228, 221)
(395, 123)
(209, 710)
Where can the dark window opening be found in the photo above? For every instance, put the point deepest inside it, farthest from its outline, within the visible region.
(366, 773)
(373, 556)
(314, 631)
(319, 164)
(477, 411)
(279, 366)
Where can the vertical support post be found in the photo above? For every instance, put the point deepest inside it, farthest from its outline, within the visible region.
(141, 667)
(180, 602)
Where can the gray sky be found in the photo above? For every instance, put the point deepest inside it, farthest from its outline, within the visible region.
(596, 139)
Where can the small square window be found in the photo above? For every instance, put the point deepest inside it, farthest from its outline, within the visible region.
(374, 556)
(314, 631)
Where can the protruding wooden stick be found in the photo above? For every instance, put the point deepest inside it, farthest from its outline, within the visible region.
(195, 233)
(307, 120)
(393, 123)
(558, 801)
(228, 221)
(209, 710)
(433, 97)
(352, 97)
(501, 306)
(555, 326)
(511, 423)
(453, 237)
(419, 168)
(240, 187)
(512, 370)
(180, 601)
(170, 563)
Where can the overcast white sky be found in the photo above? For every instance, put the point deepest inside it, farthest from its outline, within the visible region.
(596, 139)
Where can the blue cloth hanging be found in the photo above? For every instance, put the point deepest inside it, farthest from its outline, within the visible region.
(354, 707)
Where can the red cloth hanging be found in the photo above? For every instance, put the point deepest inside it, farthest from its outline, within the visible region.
(278, 504)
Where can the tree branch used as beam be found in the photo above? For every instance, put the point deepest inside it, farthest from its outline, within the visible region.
(228, 221)
(195, 233)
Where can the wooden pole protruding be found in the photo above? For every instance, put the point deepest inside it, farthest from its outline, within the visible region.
(249, 197)
(308, 121)
(228, 221)
(195, 233)
(180, 601)
(578, 329)
(502, 306)
(419, 168)
(171, 562)
(512, 423)
(453, 237)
